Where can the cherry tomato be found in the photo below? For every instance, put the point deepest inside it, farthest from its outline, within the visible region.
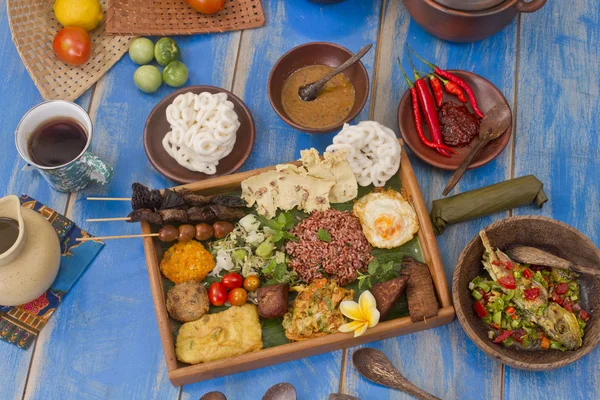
(72, 45)
(508, 282)
(531, 294)
(527, 273)
(251, 283)
(217, 294)
(232, 281)
(237, 297)
(562, 288)
(480, 310)
(206, 6)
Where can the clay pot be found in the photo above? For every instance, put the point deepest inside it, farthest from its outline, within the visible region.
(467, 26)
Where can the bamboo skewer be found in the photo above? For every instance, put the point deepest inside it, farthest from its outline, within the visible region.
(109, 198)
(88, 239)
(108, 219)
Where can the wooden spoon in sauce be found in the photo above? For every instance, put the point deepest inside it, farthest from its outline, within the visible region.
(310, 91)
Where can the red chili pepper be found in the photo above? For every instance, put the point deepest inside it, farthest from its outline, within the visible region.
(509, 266)
(503, 336)
(428, 107)
(510, 310)
(453, 88)
(567, 305)
(508, 282)
(531, 294)
(436, 86)
(417, 116)
(496, 263)
(561, 288)
(527, 273)
(583, 315)
(455, 79)
(480, 309)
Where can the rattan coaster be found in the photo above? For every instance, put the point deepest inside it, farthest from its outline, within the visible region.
(33, 27)
(176, 17)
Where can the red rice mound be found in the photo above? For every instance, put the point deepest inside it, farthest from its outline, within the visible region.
(347, 253)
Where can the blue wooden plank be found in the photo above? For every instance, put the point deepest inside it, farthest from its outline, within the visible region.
(105, 342)
(351, 24)
(558, 142)
(19, 95)
(433, 359)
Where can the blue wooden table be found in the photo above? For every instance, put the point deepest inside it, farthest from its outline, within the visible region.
(103, 341)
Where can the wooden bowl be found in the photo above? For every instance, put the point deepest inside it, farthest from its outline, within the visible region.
(547, 234)
(322, 53)
(157, 126)
(487, 96)
(467, 26)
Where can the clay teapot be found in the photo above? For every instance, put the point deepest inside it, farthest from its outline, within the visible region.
(30, 253)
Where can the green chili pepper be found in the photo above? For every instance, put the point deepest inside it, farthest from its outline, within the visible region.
(497, 317)
(476, 294)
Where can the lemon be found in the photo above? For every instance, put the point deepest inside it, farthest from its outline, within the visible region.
(86, 14)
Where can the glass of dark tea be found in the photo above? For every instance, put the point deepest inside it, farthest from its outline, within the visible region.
(54, 138)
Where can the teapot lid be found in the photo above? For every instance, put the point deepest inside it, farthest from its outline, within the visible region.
(470, 5)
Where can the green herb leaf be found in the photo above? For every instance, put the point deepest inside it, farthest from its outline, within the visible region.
(373, 266)
(323, 235)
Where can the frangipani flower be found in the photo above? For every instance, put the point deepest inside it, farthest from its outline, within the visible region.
(364, 314)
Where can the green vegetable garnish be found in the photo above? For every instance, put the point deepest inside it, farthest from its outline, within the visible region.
(323, 235)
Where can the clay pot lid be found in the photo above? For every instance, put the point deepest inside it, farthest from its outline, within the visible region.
(157, 126)
(470, 5)
(487, 96)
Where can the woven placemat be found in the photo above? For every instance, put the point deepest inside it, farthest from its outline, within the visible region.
(33, 27)
(176, 17)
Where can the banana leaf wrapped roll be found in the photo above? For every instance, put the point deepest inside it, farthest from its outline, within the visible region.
(487, 200)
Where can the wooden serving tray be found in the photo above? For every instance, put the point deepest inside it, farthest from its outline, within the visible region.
(181, 373)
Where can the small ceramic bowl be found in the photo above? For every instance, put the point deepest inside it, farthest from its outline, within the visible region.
(456, 25)
(157, 126)
(547, 234)
(317, 53)
(487, 96)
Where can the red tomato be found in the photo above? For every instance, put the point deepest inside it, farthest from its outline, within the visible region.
(72, 45)
(502, 336)
(251, 283)
(508, 282)
(217, 294)
(509, 266)
(527, 273)
(232, 281)
(206, 6)
(480, 309)
(583, 315)
(237, 297)
(531, 294)
(562, 288)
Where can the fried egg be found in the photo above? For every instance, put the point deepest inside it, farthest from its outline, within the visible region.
(387, 219)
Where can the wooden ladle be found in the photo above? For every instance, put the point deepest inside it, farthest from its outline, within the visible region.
(310, 91)
(533, 255)
(376, 367)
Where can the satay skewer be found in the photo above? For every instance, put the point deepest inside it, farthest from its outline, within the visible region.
(88, 239)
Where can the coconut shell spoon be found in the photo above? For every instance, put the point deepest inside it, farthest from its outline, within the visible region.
(496, 122)
(533, 255)
(376, 367)
(310, 91)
